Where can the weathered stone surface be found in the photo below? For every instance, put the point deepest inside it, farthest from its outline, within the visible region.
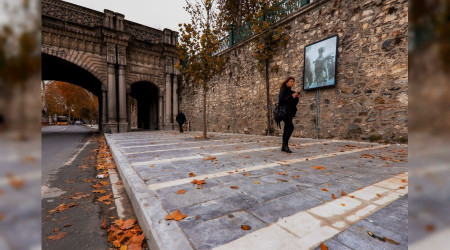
(366, 72)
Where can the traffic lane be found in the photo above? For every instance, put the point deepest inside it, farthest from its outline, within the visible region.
(59, 144)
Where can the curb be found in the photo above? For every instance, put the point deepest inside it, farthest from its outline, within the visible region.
(160, 234)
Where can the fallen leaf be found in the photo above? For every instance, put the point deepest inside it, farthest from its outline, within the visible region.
(69, 181)
(404, 180)
(351, 196)
(401, 187)
(191, 174)
(333, 196)
(281, 180)
(210, 158)
(55, 230)
(151, 166)
(343, 193)
(318, 167)
(246, 227)
(101, 191)
(79, 195)
(62, 207)
(104, 198)
(391, 241)
(282, 173)
(324, 189)
(15, 183)
(67, 225)
(342, 204)
(198, 182)
(57, 236)
(256, 182)
(181, 191)
(104, 183)
(135, 242)
(124, 225)
(234, 187)
(245, 174)
(323, 247)
(247, 156)
(97, 186)
(176, 215)
(429, 228)
(123, 247)
(296, 176)
(379, 195)
(2, 216)
(104, 226)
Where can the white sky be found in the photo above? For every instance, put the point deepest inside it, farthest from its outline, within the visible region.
(157, 14)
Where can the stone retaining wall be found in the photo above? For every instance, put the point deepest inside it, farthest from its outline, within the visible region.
(370, 99)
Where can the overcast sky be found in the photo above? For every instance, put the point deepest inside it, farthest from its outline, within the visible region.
(158, 14)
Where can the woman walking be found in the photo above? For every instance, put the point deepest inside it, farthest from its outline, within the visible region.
(289, 99)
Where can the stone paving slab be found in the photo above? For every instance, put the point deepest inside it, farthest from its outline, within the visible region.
(271, 184)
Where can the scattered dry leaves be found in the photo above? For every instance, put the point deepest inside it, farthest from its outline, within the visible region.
(318, 168)
(97, 186)
(342, 204)
(13, 182)
(323, 247)
(104, 226)
(343, 193)
(333, 196)
(61, 207)
(176, 215)
(198, 182)
(57, 236)
(210, 158)
(79, 195)
(100, 191)
(324, 189)
(192, 174)
(181, 191)
(106, 199)
(246, 227)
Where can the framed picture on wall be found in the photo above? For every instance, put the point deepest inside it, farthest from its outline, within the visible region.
(319, 69)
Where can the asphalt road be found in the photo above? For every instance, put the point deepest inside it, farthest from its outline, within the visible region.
(59, 145)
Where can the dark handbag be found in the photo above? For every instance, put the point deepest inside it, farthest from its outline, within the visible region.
(279, 113)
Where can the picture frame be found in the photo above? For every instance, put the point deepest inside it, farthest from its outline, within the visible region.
(320, 64)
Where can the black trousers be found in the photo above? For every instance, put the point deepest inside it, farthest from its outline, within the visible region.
(288, 129)
(181, 127)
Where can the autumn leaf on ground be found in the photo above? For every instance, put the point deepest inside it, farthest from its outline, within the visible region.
(246, 227)
(105, 198)
(13, 182)
(246, 174)
(176, 215)
(256, 182)
(234, 187)
(198, 182)
(324, 189)
(404, 180)
(401, 187)
(57, 236)
(79, 195)
(62, 207)
(69, 181)
(379, 195)
(181, 191)
(323, 247)
(391, 241)
(247, 156)
(192, 174)
(135, 242)
(342, 204)
(104, 226)
(343, 193)
(2, 216)
(124, 225)
(333, 196)
(296, 176)
(318, 167)
(97, 186)
(351, 196)
(282, 173)
(55, 230)
(210, 158)
(281, 180)
(101, 191)
(104, 183)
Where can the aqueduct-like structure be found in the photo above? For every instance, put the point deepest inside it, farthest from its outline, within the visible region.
(115, 59)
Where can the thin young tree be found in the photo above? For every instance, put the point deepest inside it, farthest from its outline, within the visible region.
(266, 44)
(199, 40)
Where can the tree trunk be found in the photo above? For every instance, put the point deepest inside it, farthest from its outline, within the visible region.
(268, 97)
(204, 112)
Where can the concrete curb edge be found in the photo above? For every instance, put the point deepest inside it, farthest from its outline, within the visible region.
(149, 211)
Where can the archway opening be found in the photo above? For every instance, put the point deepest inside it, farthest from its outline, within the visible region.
(144, 106)
(57, 69)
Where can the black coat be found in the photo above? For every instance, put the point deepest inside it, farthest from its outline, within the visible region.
(285, 98)
(181, 118)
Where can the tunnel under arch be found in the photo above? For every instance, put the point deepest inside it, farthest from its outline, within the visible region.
(146, 96)
(58, 69)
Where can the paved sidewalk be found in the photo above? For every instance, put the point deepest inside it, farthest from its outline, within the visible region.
(290, 201)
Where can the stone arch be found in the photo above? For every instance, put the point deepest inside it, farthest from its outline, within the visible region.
(135, 78)
(91, 63)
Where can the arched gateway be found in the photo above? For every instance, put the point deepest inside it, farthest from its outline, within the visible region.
(112, 57)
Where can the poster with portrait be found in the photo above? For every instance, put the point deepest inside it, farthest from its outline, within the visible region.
(319, 69)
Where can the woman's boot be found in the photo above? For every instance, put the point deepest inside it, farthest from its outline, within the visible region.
(285, 148)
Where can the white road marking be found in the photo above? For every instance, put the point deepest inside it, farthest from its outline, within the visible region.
(187, 148)
(309, 228)
(143, 163)
(253, 168)
(78, 152)
(155, 145)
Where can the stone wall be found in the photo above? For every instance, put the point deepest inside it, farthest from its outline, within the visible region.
(370, 99)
